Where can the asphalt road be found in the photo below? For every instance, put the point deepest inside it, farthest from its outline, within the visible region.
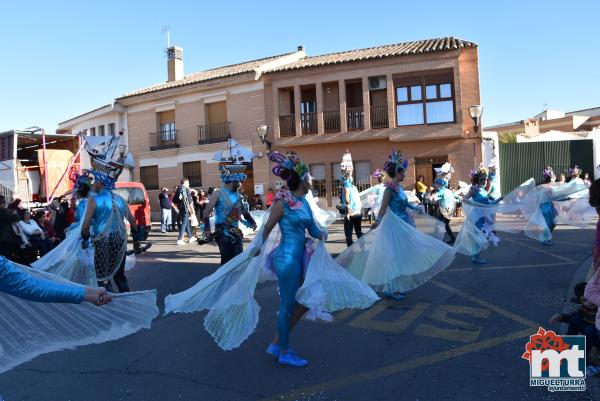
(459, 337)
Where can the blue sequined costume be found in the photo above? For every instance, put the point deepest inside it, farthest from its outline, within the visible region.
(482, 196)
(228, 210)
(549, 212)
(399, 203)
(287, 261)
(16, 282)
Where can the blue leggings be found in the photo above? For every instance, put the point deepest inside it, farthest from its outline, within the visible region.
(289, 273)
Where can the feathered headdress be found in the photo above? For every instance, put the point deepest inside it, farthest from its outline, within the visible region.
(480, 173)
(492, 170)
(548, 173)
(444, 173)
(378, 174)
(395, 162)
(79, 181)
(573, 172)
(285, 164)
(232, 173)
(108, 158)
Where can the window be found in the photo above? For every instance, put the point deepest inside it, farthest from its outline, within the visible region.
(6, 147)
(101, 130)
(133, 196)
(318, 173)
(168, 131)
(149, 177)
(111, 129)
(362, 172)
(93, 131)
(193, 172)
(336, 174)
(437, 106)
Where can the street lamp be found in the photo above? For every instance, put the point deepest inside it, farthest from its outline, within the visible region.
(262, 131)
(476, 111)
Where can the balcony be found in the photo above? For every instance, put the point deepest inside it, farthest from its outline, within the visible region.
(214, 133)
(331, 121)
(163, 140)
(379, 116)
(308, 122)
(287, 125)
(356, 118)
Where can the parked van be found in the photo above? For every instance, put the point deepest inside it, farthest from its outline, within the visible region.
(136, 197)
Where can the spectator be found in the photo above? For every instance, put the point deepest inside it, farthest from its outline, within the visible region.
(202, 202)
(44, 221)
(206, 217)
(59, 220)
(186, 210)
(175, 218)
(194, 222)
(257, 203)
(166, 213)
(71, 210)
(270, 197)
(16, 205)
(420, 188)
(34, 234)
(582, 322)
(8, 238)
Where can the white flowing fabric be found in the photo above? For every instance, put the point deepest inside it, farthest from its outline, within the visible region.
(328, 287)
(69, 261)
(31, 328)
(575, 210)
(396, 257)
(323, 217)
(228, 293)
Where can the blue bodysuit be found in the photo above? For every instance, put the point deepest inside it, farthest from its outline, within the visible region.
(221, 212)
(481, 196)
(399, 203)
(287, 261)
(16, 282)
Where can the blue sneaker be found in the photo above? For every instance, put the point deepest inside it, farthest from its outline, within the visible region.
(291, 359)
(273, 350)
(398, 296)
(478, 260)
(547, 242)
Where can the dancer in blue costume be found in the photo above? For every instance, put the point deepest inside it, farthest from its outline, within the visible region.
(395, 257)
(294, 216)
(445, 199)
(229, 209)
(16, 282)
(493, 186)
(483, 225)
(105, 214)
(547, 207)
(68, 260)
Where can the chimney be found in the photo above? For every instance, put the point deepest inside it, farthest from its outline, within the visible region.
(175, 63)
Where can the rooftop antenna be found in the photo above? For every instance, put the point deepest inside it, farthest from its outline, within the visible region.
(166, 29)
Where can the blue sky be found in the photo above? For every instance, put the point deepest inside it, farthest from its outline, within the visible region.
(62, 58)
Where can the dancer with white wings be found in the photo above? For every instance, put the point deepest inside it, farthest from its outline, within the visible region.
(395, 257)
(308, 278)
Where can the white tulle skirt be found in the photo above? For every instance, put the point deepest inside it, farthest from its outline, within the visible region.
(228, 294)
(31, 328)
(396, 257)
(69, 261)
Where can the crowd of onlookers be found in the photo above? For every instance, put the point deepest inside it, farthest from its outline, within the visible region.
(26, 235)
(173, 211)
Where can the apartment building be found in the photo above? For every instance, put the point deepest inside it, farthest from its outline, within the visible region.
(413, 97)
(175, 127)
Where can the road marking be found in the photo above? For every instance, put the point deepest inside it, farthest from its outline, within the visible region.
(401, 367)
(461, 331)
(486, 304)
(365, 320)
(509, 267)
(542, 251)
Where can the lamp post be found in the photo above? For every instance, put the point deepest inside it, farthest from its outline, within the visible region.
(476, 111)
(262, 131)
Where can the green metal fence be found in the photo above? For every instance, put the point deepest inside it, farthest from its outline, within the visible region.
(521, 161)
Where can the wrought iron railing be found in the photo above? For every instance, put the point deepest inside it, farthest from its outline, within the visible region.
(331, 121)
(308, 122)
(214, 133)
(163, 139)
(379, 117)
(287, 125)
(356, 118)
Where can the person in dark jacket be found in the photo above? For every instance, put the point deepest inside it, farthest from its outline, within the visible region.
(165, 210)
(8, 238)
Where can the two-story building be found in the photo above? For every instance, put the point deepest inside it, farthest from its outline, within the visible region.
(413, 97)
(175, 127)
